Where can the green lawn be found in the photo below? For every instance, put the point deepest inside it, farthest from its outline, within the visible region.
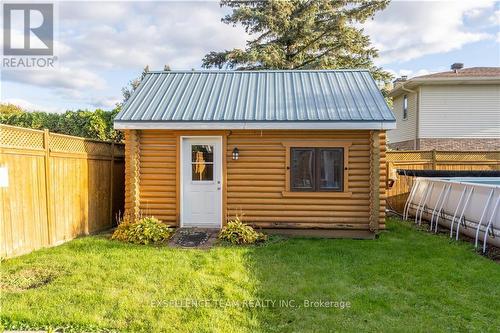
(407, 280)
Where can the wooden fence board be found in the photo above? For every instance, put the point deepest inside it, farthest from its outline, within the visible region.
(60, 187)
(433, 160)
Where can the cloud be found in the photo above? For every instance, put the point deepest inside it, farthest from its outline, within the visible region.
(409, 30)
(65, 78)
(98, 38)
(106, 102)
(410, 72)
(495, 18)
(139, 34)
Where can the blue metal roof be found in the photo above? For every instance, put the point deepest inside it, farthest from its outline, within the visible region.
(256, 96)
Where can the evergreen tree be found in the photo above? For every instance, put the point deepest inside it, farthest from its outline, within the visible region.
(300, 34)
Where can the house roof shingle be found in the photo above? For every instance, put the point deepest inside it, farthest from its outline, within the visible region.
(472, 75)
(465, 72)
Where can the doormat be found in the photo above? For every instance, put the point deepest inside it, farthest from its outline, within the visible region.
(192, 238)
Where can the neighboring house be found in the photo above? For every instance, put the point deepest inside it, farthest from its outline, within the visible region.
(454, 110)
(298, 151)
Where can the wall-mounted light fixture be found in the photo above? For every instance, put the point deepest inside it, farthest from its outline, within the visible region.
(236, 153)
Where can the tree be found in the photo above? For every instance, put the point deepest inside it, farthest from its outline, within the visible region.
(10, 109)
(96, 124)
(299, 34)
(129, 89)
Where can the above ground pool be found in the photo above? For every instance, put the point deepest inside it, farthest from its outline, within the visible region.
(465, 205)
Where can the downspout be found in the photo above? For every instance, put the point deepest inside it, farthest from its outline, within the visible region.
(417, 102)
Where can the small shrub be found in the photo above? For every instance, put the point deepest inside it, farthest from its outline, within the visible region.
(146, 230)
(237, 232)
(121, 232)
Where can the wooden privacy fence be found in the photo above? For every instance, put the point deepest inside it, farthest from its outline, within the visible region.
(59, 187)
(433, 160)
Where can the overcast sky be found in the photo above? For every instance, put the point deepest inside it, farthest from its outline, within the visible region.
(103, 45)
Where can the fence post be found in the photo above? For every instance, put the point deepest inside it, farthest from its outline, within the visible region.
(111, 185)
(48, 209)
(434, 159)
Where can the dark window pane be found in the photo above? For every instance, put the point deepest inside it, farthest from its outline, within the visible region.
(201, 171)
(302, 178)
(202, 153)
(331, 169)
(405, 107)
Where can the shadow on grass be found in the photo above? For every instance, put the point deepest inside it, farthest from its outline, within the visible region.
(406, 280)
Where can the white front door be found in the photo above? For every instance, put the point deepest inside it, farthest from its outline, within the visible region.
(201, 182)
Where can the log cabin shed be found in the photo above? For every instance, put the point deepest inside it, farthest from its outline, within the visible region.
(296, 152)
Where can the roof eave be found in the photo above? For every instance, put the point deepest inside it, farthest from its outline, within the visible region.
(258, 125)
(415, 82)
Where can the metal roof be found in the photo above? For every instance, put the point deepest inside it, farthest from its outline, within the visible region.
(184, 97)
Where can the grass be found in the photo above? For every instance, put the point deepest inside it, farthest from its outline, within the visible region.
(407, 280)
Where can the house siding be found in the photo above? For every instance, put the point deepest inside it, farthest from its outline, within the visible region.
(406, 130)
(256, 181)
(459, 144)
(459, 111)
(157, 181)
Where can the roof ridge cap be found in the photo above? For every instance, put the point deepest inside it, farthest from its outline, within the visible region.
(257, 71)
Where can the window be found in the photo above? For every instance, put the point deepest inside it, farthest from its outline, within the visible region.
(316, 169)
(405, 107)
(202, 163)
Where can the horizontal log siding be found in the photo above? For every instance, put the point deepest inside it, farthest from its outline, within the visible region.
(129, 169)
(157, 175)
(256, 181)
(383, 180)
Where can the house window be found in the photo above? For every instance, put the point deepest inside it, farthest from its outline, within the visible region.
(405, 107)
(316, 169)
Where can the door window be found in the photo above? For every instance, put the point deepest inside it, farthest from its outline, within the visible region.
(202, 162)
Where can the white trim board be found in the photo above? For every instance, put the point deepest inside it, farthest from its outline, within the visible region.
(218, 125)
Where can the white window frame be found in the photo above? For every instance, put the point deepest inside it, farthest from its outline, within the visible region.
(405, 107)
